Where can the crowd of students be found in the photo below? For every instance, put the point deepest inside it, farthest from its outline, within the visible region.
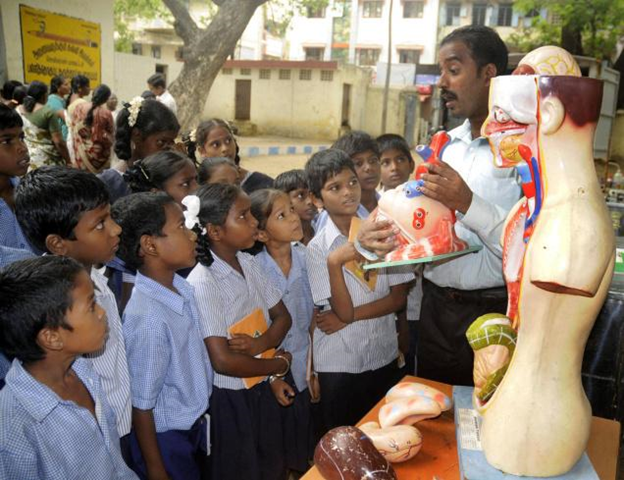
(121, 291)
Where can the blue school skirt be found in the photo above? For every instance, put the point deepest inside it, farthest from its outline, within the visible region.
(246, 433)
(183, 452)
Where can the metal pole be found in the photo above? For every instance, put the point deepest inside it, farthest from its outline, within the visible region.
(384, 114)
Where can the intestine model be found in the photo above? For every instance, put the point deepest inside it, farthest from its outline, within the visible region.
(558, 258)
(426, 226)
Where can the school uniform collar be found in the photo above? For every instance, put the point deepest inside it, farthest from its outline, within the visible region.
(295, 269)
(221, 269)
(163, 295)
(38, 399)
(331, 232)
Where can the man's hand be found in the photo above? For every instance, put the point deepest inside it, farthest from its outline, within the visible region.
(328, 322)
(445, 185)
(378, 236)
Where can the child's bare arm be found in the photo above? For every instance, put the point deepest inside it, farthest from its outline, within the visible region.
(227, 362)
(143, 423)
(340, 300)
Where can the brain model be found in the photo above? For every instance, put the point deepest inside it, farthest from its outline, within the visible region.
(425, 225)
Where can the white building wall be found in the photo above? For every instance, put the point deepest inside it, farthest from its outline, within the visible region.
(100, 11)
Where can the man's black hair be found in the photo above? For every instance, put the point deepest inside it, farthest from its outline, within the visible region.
(36, 294)
(9, 118)
(392, 141)
(484, 44)
(157, 80)
(153, 117)
(356, 142)
(52, 199)
(324, 165)
(8, 88)
(139, 214)
(291, 180)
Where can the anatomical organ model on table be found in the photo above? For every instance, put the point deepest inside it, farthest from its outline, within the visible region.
(558, 257)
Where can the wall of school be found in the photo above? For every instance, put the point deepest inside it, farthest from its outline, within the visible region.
(293, 107)
(101, 11)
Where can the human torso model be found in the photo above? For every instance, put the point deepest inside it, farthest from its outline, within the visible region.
(558, 257)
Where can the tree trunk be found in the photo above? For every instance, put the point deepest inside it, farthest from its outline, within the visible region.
(205, 52)
(571, 39)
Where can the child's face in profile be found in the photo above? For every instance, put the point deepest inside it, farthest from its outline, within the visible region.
(176, 245)
(219, 143)
(283, 225)
(14, 158)
(240, 229)
(367, 169)
(341, 193)
(86, 318)
(224, 173)
(396, 167)
(302, 203)
(96, 237)
(182, 183)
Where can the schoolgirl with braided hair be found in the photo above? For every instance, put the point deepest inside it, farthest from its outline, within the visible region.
(230, 287)
(143, 127)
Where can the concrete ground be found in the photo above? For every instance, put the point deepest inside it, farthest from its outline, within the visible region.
(273, 165)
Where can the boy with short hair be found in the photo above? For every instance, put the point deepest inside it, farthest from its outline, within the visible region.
(157, 84)
(397, 163)
(14, 162)
(295, 184)
(56, 421)
(66, 212)
(355, 344)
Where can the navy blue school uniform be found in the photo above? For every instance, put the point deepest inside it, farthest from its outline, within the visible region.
(297, 297)
(170, 373)
(247, 440)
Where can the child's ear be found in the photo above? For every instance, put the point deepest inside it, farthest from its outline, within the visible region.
(215, 232)
(50, 339)
(316, 201)
(263, 236)
(56, 245)
(148, 247)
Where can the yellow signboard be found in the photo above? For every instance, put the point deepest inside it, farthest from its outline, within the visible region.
(54, 44)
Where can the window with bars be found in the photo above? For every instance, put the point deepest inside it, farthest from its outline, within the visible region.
(505, 13)
(284, 74)
(305, 74)
(409, 56)
(137, 49)
(245, 71)
(413, 9)
(314, 53)
(327, 75)
(265, 74)
(368, 56)
(479, 11)
(453, 10)
(156, 52)
(372, 9)
(226, 71)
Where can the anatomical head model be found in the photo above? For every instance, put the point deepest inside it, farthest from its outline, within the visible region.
(426, 226)
(558, 257)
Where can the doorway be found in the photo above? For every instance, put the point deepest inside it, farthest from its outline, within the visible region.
(242, 100)
(346, 104)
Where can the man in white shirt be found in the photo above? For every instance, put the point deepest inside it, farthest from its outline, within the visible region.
(457, 292)
(158, 86)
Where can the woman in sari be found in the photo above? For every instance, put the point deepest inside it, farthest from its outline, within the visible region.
(59, 89)
(93, 132)
(42, 130)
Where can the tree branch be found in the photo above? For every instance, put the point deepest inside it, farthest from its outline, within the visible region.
(184, 25)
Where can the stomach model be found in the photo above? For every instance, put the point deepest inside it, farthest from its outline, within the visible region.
(425, 225)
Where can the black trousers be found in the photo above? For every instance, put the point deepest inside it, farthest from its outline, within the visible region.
(347, 397)
(443, 352)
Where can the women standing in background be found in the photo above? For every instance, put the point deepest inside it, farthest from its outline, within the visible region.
(93, 132)
(59, 89)
(41, 128)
